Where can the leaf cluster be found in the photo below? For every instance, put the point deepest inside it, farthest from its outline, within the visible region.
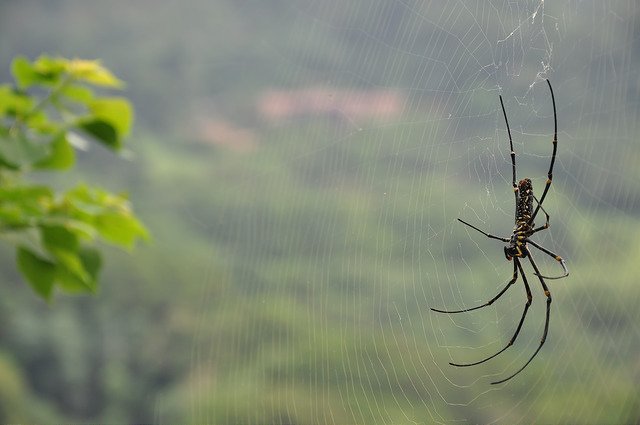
(50, 111)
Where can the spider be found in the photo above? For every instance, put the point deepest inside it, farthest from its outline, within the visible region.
(518, 243)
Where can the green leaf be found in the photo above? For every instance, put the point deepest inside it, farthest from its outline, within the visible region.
(14, 102)
(92, 262)
(71, 282)
(78, 93)
(52, 67)
(115, 111)
(76, 267)
(24, 73)
(58, 240)
(70, 264)
(85, 203)
(23, 205)
(92, 72)
(40, 273)
(108, 214)
(61, 156)
(110, 120)
(103, 132)
(17, 152)
(5, 92)
(120, 228)
(44, 70)
(24, 193)
(80, 226)
(79, 272)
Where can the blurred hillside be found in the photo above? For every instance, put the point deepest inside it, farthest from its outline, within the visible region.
(301, 166)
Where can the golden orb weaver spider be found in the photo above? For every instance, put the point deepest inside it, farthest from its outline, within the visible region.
(518, 244)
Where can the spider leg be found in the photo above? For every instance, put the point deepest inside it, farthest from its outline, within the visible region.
(513, 153)
(483, 232)
(488, 303)
(556, 257)
(516, 263)
(547, 217)
(546, 323)
(553, 156)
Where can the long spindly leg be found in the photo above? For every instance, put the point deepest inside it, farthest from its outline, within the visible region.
(546, 222)
(546, 323)
(553, 156)
(555, 257)
(516, 263)
(513, 153)
(483, 232)
(488, 303)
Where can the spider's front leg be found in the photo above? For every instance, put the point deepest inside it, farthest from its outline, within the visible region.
(553, 156)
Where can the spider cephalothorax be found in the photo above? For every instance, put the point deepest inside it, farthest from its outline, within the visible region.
(517, 244)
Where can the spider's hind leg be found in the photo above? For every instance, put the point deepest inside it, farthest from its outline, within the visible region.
(516, 263)
(547, 293)
(488, 303)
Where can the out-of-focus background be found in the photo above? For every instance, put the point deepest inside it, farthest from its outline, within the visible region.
(301, 165)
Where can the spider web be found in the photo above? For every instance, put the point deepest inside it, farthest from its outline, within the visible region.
(370, 350)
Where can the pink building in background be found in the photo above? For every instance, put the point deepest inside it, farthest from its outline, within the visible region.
(280, 105)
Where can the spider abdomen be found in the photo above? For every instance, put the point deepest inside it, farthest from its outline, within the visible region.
(523, 227)
(524, 205)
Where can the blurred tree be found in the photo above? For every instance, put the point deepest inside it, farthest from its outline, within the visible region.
(48, 112)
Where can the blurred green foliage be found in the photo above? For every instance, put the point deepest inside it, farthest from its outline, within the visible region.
(51, 103)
